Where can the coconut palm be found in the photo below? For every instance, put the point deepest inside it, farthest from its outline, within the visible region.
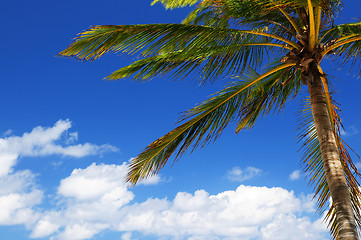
(284, 39)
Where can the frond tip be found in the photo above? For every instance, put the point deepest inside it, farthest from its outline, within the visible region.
(171, 4)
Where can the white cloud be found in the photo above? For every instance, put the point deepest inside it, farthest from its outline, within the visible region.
(152, 180)
(81, 231)
(351, 130)
(97, 198)
(236, 174)
(19, 195)
(43, 142)
(44, 228)
(72, 137)
(97, 182)
(7, 161)
(289, 227)
(295, 175)
(8, 132)
(245, 213)
(127, 236)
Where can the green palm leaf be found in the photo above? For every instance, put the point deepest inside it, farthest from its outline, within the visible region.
(172, 46)
(344, 41)
(223, 38)
(342, 30)
(211, 62)
(171, 4)
(253, 14)
(259, 8)
(206, 122)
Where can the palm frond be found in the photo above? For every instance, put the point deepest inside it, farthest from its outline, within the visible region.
(343, 34)
(206, 122)
(291, 20)
(271, 95)
(312, 32)
(349, 46)
(205, 15)
(329, 7)
(318, 20)
(242, 13)
(155, 39)
(175, 46)
(171, 4)
(209, 62)
(341, 30)
(344, 42)
(252, 11)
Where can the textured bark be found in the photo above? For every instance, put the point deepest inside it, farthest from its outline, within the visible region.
(331, 158)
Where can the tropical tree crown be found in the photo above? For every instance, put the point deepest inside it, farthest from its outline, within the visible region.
(233, 38)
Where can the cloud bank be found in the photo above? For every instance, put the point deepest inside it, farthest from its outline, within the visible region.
(47, 141)
(96, 198)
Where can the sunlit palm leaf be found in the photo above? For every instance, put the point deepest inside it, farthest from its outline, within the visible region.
(173, 46)
(251, 10)
(171, 4)
(270, 96)
(327, 5)
(154, 39)
(213, 13)
(206, 122)
(344, 41)
(206, 44)
(254, 14)
(211, 62)
(206, 16)
(342, 30)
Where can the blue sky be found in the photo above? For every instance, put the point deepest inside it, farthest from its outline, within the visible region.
(67, 136)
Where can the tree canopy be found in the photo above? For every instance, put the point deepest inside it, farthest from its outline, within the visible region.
(286, 40)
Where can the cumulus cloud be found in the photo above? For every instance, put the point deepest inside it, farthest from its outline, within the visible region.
(92, 201)
(44, 228)
(350, 131)
(245, 213)
(95, 182)
(295, 175)
(96, 198)
(301, 228)
(19, 195)
(236, 174)
(44, 141)
(127, 236)
(152, 180)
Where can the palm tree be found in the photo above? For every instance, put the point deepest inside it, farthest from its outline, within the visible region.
(222, 38)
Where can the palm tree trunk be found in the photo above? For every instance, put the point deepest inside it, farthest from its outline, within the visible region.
(331, 158)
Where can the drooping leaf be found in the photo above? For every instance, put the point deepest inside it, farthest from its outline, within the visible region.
(204, 123)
